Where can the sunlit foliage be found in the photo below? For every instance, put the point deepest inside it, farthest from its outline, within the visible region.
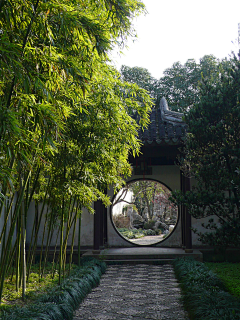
(65, 130)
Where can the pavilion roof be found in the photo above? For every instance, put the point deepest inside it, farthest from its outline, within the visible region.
(166, 127)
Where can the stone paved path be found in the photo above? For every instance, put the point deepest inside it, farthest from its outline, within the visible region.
(134, 292)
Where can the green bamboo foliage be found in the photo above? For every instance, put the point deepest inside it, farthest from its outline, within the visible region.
(65, 129)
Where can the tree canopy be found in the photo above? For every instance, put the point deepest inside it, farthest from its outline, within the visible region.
(141, 77)
(179, 83)
(212, 157)
(53, 65)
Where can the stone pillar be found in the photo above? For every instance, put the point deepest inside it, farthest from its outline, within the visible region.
(100, 225)
(97, 225)
(188, 222)
(182, 212)
(105, 235)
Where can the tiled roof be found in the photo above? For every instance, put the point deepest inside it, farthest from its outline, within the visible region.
(166, 127)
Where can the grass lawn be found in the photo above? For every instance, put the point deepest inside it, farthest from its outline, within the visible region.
(229, 273)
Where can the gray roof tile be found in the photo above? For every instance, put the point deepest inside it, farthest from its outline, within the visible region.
(163, 129)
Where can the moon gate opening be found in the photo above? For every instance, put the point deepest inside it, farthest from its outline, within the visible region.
(143, 213)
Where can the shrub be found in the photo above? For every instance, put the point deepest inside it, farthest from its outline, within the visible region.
(205, 296)
(149, 225)
(138, 233)
(149, 232)
(120, 221)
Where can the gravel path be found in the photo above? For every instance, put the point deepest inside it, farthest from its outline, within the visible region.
(134, 292)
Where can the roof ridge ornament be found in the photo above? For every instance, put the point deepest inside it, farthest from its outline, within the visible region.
(168, 115)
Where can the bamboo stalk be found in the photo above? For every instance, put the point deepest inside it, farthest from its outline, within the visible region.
(28, 200)
(79, 236)
(54, 255)
(49, 236)
(72, 243)
(41, 253)
(62, 220)
(5, 188)
(23, 48)
(31, 245)
(23, 243)
(6, 255)
(31, 253)
(68, 228)
(34, 186)
(18, 250)
(12, 261)
(6, 219)
(61, 244)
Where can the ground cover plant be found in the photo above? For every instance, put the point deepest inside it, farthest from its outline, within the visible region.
(36, 284)
(58, 302)
(229, 273)
(204, 294)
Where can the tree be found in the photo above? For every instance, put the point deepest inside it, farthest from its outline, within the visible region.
(150, 200)
(145, 194)
(180, 83)
(212, 157)
(141, 77)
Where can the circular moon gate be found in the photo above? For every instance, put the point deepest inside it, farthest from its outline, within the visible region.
(142, 212)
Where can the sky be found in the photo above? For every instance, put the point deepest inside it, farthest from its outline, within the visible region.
(178, 30)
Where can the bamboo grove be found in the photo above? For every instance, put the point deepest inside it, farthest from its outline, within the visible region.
(65, 123)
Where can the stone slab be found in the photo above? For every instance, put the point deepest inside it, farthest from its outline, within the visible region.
(143, 253)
